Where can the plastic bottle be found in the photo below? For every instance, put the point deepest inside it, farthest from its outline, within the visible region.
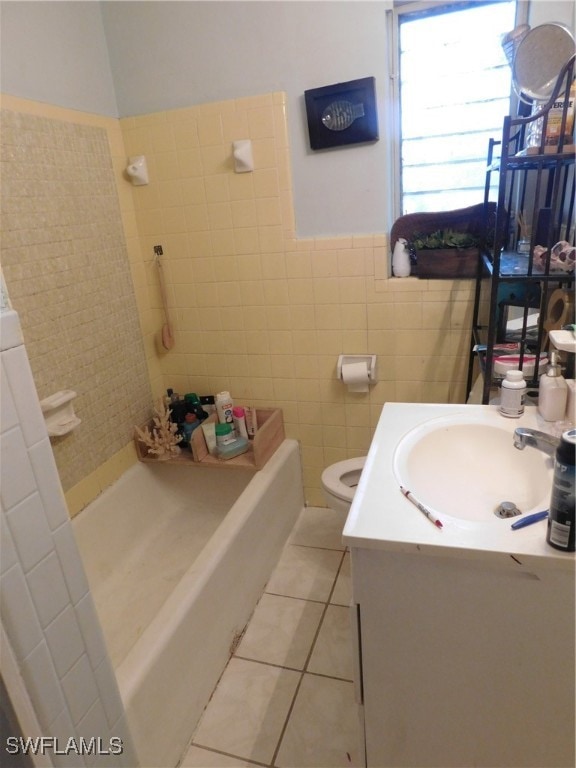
(208, 403)
(193, 405)
(224, 406)
(401, 258)
(251, 421)
(209, 430)
(190, 423)
(512, 395)
(561, 518)
(553, 392)
(239, 417)
(178, 408)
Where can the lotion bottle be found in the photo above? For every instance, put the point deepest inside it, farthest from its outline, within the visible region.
(553, 392)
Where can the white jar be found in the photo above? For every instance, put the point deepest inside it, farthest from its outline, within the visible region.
(512, 395)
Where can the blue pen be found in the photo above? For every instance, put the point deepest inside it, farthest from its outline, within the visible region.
(529, 519)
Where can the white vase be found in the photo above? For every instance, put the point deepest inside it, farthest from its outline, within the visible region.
(401, 259)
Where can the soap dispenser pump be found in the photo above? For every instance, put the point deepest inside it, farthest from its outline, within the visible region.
(553, 391)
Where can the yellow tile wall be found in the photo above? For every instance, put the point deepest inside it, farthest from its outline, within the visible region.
(66, 266)
(264, 314)
(257, 310)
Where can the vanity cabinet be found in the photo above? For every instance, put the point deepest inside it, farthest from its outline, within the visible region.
(464, 662)
(464, 635)
(519, 296)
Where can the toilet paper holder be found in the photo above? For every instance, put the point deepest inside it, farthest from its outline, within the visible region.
(370, 361)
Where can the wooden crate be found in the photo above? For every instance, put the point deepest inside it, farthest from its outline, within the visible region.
(268, 437)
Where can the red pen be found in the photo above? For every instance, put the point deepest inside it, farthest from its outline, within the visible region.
(421, 507)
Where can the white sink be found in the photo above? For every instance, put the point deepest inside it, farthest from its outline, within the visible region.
(464, 467)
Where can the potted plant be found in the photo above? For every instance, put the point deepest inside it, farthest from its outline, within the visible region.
(446, 253)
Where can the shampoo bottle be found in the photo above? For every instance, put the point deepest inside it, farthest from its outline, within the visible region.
(224, 406)
(553, 392)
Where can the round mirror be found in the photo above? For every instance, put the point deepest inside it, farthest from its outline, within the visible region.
(539, 59)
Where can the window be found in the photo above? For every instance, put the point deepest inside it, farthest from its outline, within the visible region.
(453, 93)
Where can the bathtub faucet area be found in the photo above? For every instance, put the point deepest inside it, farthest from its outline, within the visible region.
(524, 436)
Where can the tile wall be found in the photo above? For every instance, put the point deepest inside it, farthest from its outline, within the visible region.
(47, 609)
(64, 259)
(264, 314)
(256, 310)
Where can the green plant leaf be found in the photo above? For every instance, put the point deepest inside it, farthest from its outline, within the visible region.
(444, 238)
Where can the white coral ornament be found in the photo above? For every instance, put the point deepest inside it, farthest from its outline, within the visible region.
(162, 440)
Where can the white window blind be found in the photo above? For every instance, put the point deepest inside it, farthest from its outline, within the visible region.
(454, 86)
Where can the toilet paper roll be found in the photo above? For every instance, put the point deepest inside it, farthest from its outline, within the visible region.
(560, 309)
(355, 376)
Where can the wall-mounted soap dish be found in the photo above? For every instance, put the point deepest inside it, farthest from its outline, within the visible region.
(59, 415)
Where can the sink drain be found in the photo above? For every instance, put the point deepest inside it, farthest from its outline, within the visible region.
(507, 509)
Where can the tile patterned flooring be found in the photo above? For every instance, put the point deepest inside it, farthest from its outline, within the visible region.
(286, 697)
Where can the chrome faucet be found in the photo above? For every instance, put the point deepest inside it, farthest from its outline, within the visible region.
(536, 439)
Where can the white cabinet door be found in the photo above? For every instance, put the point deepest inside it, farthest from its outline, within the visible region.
(465, 662)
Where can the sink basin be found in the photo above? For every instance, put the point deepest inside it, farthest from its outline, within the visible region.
(465, 468)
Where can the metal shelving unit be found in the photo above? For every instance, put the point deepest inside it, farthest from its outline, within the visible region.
(535, 186)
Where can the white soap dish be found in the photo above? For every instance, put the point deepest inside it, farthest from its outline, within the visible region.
(58, 411)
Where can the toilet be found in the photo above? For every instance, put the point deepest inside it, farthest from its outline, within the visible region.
(339, 483)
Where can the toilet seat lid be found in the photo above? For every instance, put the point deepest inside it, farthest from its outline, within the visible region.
(332, 477)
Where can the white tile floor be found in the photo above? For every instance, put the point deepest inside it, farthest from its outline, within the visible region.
(286, 697)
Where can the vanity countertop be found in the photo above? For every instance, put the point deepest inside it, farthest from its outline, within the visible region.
(382, 518)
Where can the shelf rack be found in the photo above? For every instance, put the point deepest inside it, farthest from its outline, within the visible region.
(536, 185)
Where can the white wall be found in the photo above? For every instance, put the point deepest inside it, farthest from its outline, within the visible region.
(543, 11)
(171, 54)
(165, 55)
(56, 53)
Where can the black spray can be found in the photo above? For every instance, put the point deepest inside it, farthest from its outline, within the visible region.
(561, 518)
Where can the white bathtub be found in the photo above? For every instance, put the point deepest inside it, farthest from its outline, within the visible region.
(177, 557)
